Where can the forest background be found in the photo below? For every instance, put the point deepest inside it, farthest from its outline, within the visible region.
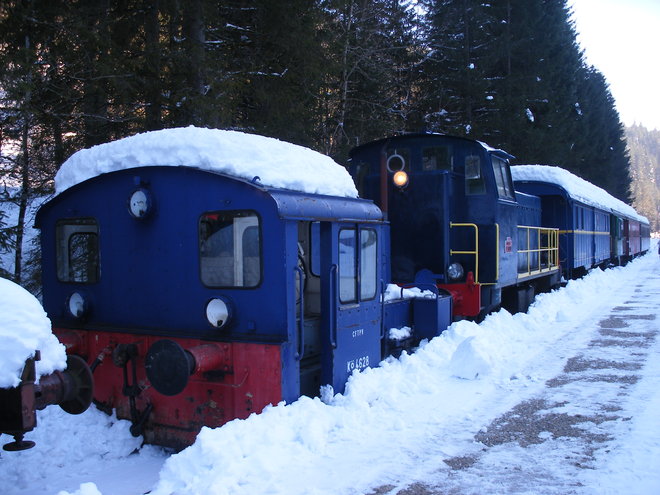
(326, 74)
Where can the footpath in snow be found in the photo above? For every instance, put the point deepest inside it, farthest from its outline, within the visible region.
(594, 427)
(563, 399)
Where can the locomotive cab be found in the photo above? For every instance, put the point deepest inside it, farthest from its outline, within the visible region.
(198, 297)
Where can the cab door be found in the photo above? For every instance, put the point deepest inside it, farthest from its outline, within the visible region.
(351, 286)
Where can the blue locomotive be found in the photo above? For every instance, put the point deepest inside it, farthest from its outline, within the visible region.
(199, 294)
(457, 222)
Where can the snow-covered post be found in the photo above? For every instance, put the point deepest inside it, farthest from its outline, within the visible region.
(31, 365)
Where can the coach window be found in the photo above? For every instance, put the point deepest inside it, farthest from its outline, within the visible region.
(230, 249)
(77, 250)
(503, 178)
(474, 180)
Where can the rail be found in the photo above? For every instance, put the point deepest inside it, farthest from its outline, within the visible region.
(475, 253)
(547, 253)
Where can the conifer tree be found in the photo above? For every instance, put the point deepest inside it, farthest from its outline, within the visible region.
(370, 78)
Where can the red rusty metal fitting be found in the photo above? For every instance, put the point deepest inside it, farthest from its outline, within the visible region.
(72, 341)
(208, 357)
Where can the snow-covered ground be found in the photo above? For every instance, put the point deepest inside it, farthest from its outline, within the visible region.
(563, 399)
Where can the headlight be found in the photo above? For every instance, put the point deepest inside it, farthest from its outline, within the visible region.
(218, 312)
(77, 305)
(400, 179)
(139, 203)
(455, 271)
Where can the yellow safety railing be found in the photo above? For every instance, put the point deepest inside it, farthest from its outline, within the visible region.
(475, 253)
(538, 264)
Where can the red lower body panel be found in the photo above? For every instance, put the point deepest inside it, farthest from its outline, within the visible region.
(245, 378)
(466, 296)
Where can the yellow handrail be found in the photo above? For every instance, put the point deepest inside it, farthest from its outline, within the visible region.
(476, 251)
(551, 249)
(476, 247)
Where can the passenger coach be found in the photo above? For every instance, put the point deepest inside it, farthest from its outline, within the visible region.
(595, 229)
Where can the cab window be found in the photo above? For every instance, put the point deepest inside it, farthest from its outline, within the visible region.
(347, 265)
(358, 264)
(77, 250)
(474, 180)
(437, 158)
(230, 249)
(503, 178)
(368, 263)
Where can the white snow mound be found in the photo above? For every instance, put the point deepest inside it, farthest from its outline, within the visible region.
(576, 187)
(24, 329)
(276, 163)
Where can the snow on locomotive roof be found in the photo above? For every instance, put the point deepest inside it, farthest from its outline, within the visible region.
(25, 328)
(276, 163)
(576, 187)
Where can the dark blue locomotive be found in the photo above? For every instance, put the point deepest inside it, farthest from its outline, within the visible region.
(198, 296)
(457, 222)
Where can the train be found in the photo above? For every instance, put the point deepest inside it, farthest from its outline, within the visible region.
(203, 275)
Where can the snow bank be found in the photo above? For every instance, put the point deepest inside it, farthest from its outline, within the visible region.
(276, 163)
(394, 422)
(575, 186)
(72, 452)
(24, 329)
(388, 407)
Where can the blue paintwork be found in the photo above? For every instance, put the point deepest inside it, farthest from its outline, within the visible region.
(150, 270)
(420, 214)
(584, 239)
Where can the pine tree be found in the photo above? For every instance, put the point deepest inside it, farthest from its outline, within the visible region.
(599, 150)
(371, 76)
(644, 149)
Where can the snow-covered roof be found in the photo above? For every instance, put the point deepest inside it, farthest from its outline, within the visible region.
(24, 329)
(276, 163)
(576, 187)
(490, 149)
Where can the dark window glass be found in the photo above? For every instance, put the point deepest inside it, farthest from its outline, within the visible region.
(502, 178)
(77, 250)
(347, 265)
(368, 263)
(230, 249)
(474, 181)
(437, 158)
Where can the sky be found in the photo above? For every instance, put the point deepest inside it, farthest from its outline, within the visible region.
(621, 38)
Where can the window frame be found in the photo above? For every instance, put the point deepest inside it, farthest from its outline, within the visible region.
(236, 250)
(353, 271)
(67, 229)
(503, 181)
(474, 183)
